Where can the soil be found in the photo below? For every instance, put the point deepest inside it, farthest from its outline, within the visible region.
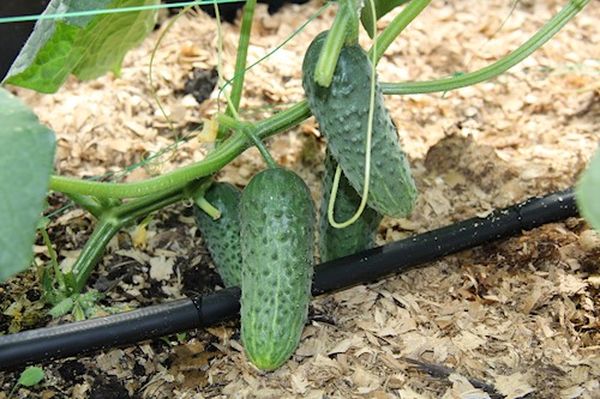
(518, 318)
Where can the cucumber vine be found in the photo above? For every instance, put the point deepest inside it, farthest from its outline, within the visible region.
(104, 200)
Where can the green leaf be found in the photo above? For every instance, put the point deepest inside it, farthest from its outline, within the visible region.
(86, 46)
(382, 7)
(588, 192)
(26, 158)
(31, 376)
(62, 308)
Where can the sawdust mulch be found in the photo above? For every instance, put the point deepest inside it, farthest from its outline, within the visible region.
(520, 317)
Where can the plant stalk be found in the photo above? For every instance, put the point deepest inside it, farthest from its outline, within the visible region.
(109, 224)
(332, 47)
(242, 54)
(398, 24)
(498, 67)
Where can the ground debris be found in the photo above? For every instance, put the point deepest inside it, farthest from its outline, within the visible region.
(521, 315)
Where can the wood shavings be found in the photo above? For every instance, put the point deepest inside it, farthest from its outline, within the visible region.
(522, 313)
(514, 386)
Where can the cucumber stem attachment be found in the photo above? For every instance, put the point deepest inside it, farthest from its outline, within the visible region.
(332, 47)
(208, 208)
(261, 147)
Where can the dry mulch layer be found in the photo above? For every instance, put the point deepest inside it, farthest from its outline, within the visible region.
(518, 318)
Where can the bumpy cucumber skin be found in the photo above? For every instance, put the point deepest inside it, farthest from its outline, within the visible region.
(336, 243)
(342, 111)
(222, 236)
(277, 229)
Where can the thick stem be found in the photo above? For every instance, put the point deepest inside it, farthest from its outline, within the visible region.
(332, 47)
(109, 224)
(498, 67)
(401, 21)
(228, 122)
(91, 253)
(352, 30)
(214, 161)
(87, 203)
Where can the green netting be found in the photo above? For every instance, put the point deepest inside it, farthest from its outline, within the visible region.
(37, 17)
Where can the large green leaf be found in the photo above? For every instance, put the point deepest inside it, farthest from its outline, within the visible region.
(86, 46)
(588, 192)
(27, 154)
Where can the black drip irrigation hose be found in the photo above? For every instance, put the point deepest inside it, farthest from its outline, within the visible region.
(45, 344)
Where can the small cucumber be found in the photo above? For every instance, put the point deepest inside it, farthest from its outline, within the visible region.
(277, 217)
(342, 110)
(222, 236)
(336, 243)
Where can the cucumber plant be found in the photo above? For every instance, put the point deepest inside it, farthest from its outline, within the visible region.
(275, 210)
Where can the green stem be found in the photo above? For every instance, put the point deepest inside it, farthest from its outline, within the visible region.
(208, 208)
(13, 390)
(154, 90)
(228, 122)
(261, 148)
(401, 21)
(91, 253)
(294, 115)
(353, 31)
(213, 162)
(111, 222)
(242, 54)
(498, 67)
(280, 45)
(58, 275)
(87, 203)
(332, 47)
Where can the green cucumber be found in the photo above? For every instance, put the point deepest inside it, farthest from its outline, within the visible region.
(277, 218)
(222, 236)
(342, 110)
(336, 243)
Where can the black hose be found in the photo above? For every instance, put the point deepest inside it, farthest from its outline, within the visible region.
(45, 344)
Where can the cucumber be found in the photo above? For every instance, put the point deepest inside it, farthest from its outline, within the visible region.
(222, 236)
(277, 217)
(336, 243)
(342, 111)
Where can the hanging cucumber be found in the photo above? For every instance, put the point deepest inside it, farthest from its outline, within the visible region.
(277, 217)
(382, 7)
(342, 110)
(336, 243)
(222, 236)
